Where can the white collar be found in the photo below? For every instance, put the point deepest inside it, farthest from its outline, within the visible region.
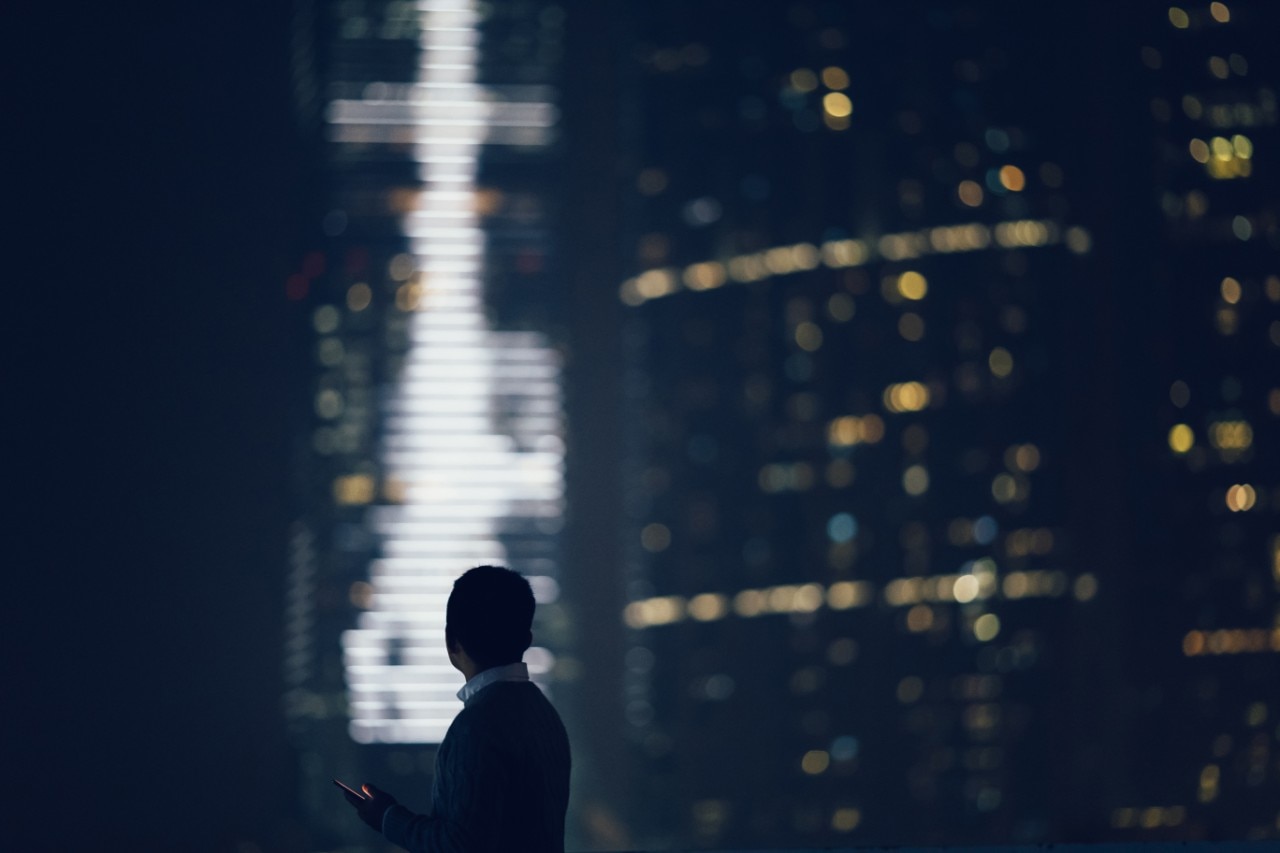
(517, 671)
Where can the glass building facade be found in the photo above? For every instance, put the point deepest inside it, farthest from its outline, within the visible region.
(1210, 716)
(851, 580)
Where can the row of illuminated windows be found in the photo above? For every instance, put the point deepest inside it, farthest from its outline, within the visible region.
(1231, 641)
(1223, 157)
(846, 253)
(1182, 19)
(1227, 436)
(1150, 817)
(846, 595)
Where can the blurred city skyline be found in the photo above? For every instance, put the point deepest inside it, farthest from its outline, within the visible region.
(882, 400)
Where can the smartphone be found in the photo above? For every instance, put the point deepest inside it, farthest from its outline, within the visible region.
(344, 786)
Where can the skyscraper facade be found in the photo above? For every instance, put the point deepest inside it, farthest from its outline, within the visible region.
(1211, 431)
(850, 580)
(435, 440)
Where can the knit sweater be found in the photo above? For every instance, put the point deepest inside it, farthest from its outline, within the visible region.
(501, 780)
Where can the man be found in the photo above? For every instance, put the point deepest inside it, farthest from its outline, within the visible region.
(502, 773)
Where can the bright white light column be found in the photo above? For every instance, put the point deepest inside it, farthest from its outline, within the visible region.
(474, 427)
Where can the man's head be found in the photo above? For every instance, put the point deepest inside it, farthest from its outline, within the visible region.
(489, 617)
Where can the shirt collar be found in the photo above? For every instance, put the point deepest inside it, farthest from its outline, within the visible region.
(517, 671)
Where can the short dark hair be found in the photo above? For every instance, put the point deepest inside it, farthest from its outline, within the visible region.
(490, 614)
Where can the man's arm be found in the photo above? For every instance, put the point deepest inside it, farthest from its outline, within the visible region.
(472, 775)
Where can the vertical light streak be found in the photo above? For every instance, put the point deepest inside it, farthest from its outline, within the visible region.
(473, 428)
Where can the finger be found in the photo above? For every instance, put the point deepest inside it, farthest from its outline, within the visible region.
(352, 798)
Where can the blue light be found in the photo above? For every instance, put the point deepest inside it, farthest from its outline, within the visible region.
(844, 748)
(985, 530)
(842, 527)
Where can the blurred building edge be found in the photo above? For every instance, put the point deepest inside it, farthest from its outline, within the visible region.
(892, 550)
(432, 438)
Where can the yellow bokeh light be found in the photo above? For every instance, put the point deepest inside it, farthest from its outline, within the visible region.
(1085, 587)
(1242, 146)
(965, 589)
(837, 104)
(750, 602)
(1222, 149)
(906, 397)
(1241, 497)
(1199, 150)
(815, 761)
(915, 480)
(1179, 17)
(1004, 488)
(400, 267)
(986, 627)
(835, 78)
(708, 606)
(836, 122)
(1181, 438)
(1231, 290)
(1220, 12)
(1231, 435)
(808, 336)
(912, 285)
(845, 820)
(359, 296)
(354, 490)
(1000, 361)
(704, 276)
(1012, 178)
(804, 80)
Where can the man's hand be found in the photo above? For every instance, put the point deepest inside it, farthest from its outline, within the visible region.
(372, 808)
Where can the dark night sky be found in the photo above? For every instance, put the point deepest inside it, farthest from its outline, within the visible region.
(156, 214)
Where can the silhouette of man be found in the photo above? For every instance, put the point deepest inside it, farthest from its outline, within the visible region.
(502, 773)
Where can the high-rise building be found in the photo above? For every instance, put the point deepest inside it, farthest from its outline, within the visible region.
(850, 583)
(1210, 701)
(435, 438)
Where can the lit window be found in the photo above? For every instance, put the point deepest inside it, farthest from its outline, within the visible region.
(1241, 498)
(912, 285)
(1012, 178)
(837, 104)
(986, 627)
(915, 480)
(808, 336)
(970, 193)
(1000, 362)
(835, 78)
(815, 761)
(1230, 291)
(359, 296)
(1181, 439)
